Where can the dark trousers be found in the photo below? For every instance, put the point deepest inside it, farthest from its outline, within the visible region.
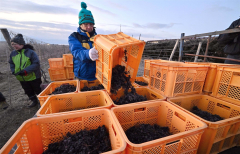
(32, 87)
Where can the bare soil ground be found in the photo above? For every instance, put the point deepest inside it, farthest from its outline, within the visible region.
(17, 112)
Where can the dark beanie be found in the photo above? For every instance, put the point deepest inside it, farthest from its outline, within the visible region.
(18, 39)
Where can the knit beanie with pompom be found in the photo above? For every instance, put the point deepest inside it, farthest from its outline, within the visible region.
(85, 16)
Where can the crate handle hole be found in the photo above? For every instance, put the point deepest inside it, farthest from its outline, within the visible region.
(223, 106)
(140, 109)
(75, 119)
(114, 131)
(236, 74)
(180, 116)
(172, 142)
(105, 101)
(153, 95)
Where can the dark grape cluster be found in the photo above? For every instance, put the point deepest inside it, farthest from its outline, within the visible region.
(206, 115)
(141, 83)
(130, 97)
(93, 141)
(64, 88)
(98, 87)
(121, 79)
(146, 132)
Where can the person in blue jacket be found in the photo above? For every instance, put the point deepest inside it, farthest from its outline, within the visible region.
(82, 47)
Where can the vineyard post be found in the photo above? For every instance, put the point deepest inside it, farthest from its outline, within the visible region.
(181, 47)
(198, 50)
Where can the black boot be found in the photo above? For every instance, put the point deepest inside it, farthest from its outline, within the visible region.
(34, 100)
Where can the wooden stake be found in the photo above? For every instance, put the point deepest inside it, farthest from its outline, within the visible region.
(174, 49)
(198, 50)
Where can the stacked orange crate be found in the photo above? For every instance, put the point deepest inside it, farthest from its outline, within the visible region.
(211, 75)
(176, 79)
(146, 75)
(147, 65)
(56, 70)
(68, 65)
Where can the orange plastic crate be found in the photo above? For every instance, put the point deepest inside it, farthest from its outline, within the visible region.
(186, 129)
(57, 74)
(89, 84)
(68, 60)
(52, 86)
(42, 99)
(147, 65)
(111, 53)
(143, 79)
(55, 62)
(174, 79)
(218, 133)
(227, 84)
(75, 102)
(211, 75)
(34, 135)
(150, 94)
(69, 72)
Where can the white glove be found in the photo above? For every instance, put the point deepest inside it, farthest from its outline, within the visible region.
(93, 54)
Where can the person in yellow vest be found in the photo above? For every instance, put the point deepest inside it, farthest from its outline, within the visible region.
(25, 65)
(82, 47)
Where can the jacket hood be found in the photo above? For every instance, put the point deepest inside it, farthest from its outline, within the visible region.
(28, 46)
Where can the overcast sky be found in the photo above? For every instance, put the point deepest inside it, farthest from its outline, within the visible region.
(52, 21)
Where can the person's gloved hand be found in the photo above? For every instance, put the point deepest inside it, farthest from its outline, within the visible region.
(22, 73)
(93, 54)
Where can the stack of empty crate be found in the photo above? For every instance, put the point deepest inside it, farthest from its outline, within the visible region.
(61, 68)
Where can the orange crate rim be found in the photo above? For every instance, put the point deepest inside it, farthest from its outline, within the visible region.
(75, 102)
(128, 115)
(44, 135)
(175, 79)
(52, 86)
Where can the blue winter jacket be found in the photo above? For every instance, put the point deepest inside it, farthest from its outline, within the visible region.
(84, 68)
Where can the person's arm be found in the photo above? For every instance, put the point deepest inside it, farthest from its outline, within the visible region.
(77, 50)
(12, 65)
(229, 37)
(35, 63)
